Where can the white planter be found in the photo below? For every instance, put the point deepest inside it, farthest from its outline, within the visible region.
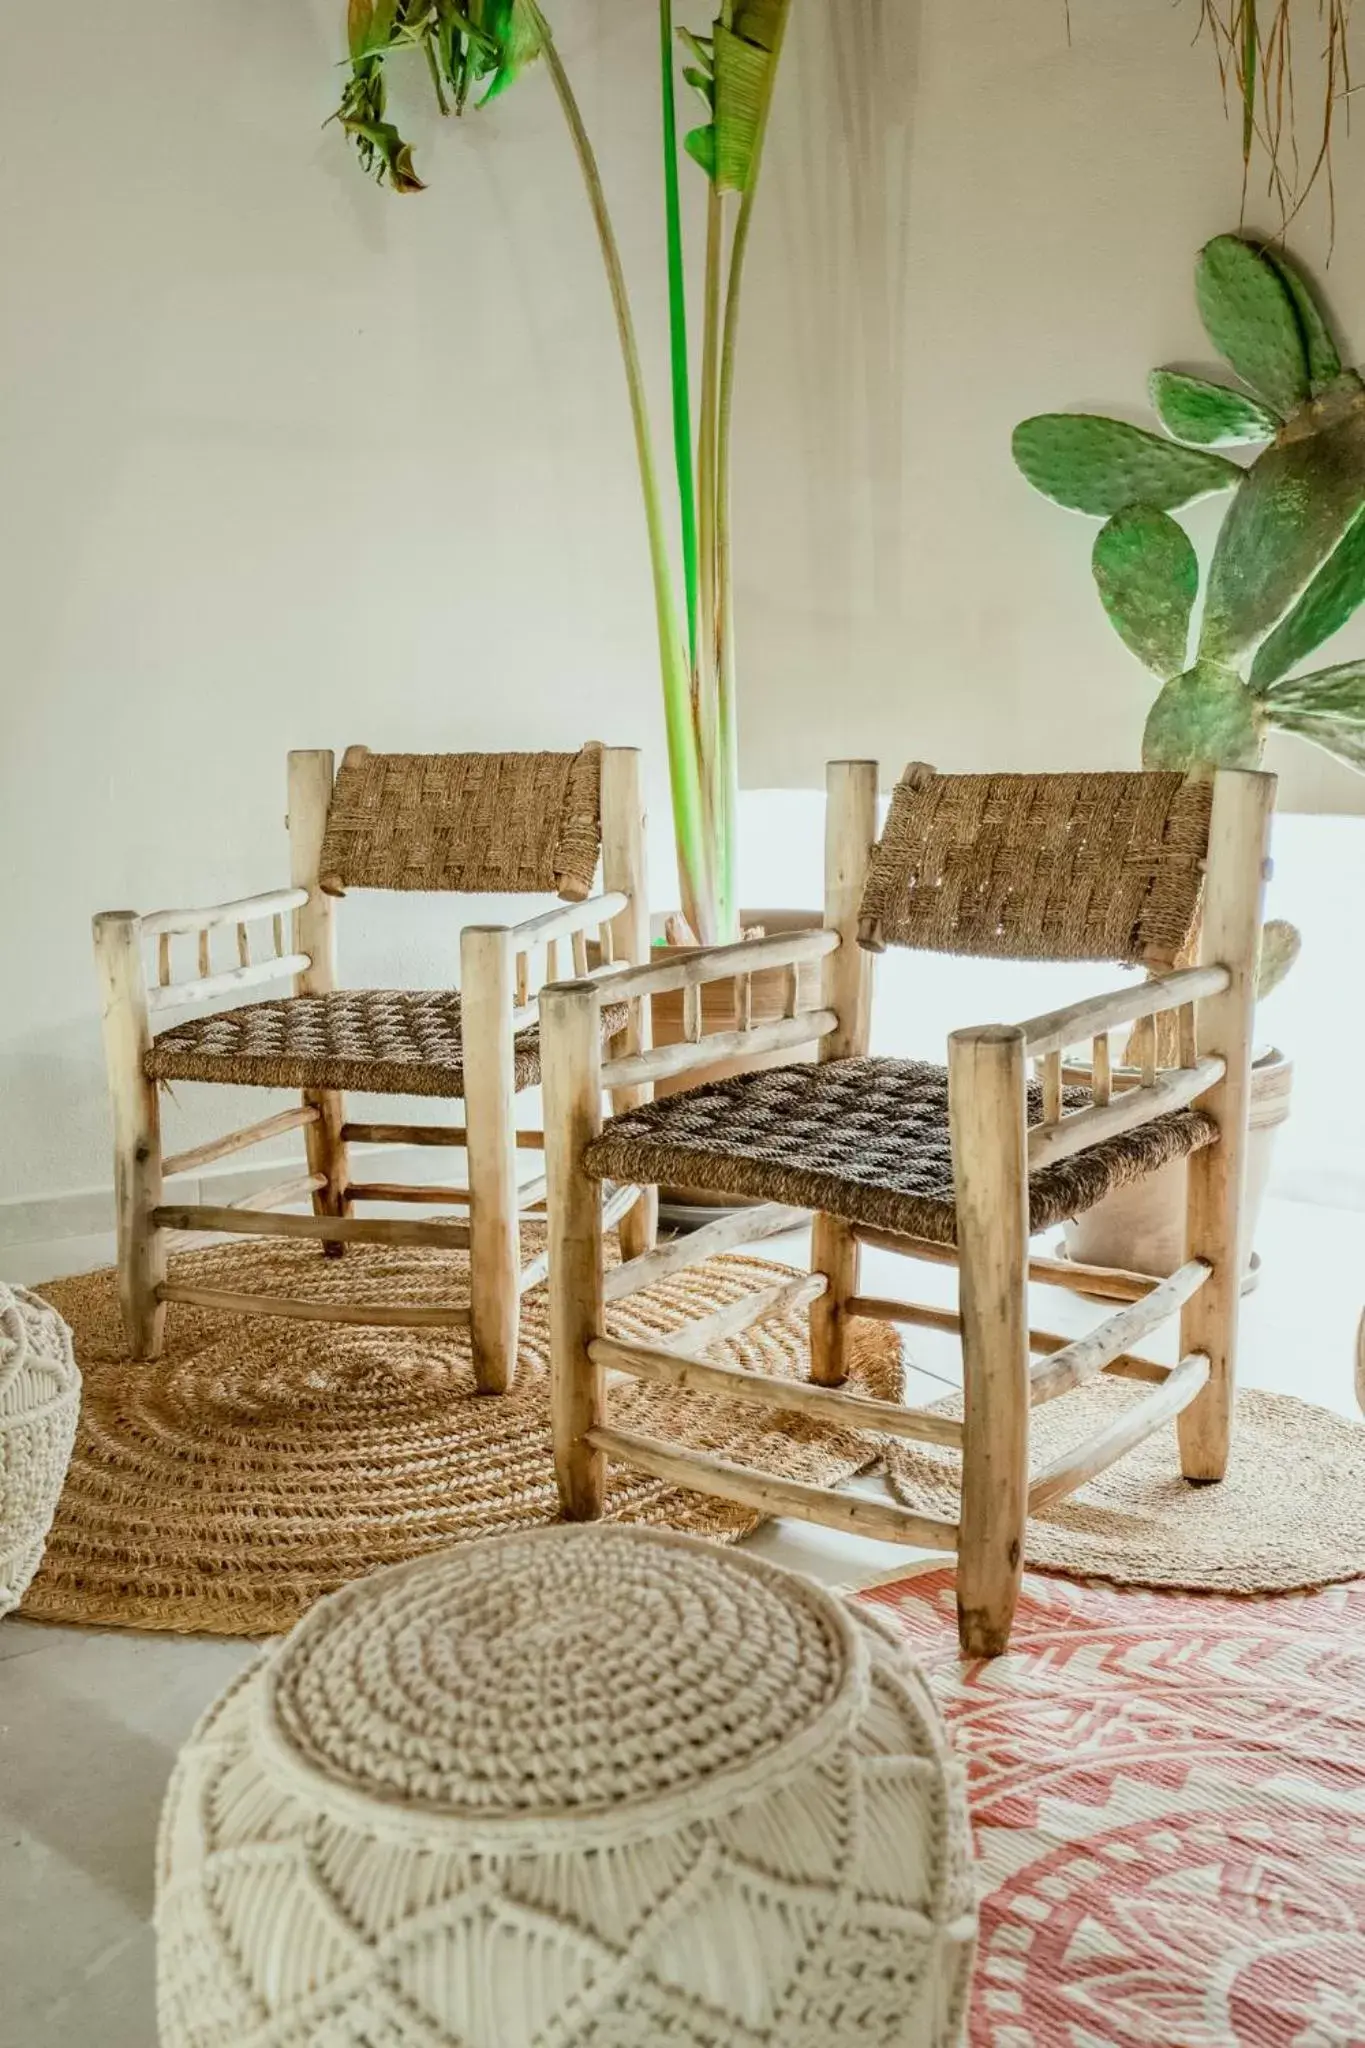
(1142, 1228)
(40, 1396)
(596, 1787)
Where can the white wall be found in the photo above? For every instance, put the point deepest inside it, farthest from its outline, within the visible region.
(291, 462)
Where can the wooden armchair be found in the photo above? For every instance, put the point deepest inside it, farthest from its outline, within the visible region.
(486, 823)
(961, 1163)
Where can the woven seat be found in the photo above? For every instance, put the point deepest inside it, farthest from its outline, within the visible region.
(384, 1041)
(865, 1139)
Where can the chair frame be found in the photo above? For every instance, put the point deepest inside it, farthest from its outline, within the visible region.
(501, 967)
(993, 1153)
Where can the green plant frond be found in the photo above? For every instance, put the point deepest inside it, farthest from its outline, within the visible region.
(1250, 318)
(1327, 707)
(516, 32)
(741, 74)
(1336, 592)
(1147, 575)
(679, 365)
(1281, 945)
(701, 83)
(701, 49)
(700, 144)
(1102, 466)
(1292, 510)
(1208, 415)
(1324, 363)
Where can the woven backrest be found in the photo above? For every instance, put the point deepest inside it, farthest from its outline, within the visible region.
(479, 823)
(1039, 867)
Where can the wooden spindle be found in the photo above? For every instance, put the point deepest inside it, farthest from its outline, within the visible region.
(579, 943)
(744, 1002)
(277, 932)
(205, 966)
(523, 979)
(606, 944)
(691, 1008)
(552, 960)
(1145, 1034)
(163, 959)
(791, 990)
(1188, 1035)
(1101, 1076)
(243, 946)
(1052, 1088)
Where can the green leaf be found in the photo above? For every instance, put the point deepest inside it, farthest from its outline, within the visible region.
(1205, 719)
(741, 72)
(700, 144)
(1101, 466)
(513, 29)
(1281, 944)
(1324, 364)
(1148, 578)
(1335, 593)
(1327, 707)
(1210, 415)
(701, 49)
(1250, 319)
(1292, 509)
(700, 81)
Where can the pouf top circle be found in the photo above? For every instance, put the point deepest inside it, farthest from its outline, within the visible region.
(593, 1684)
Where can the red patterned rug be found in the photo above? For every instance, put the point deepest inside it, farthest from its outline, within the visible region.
(1168, 1794)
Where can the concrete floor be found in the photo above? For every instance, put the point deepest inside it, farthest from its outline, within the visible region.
(90, 1720)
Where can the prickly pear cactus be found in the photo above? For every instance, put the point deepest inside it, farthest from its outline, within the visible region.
(1289, 565)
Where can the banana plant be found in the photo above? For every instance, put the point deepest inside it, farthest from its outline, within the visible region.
(477, 50)
(1288, 567)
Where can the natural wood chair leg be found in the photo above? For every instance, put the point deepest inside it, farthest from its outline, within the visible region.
(834, 1251)
(623, 867)
(1234, 890)
(487, 998)
(311, 775)
(571, 1073)
(986, 1083)
(850, 830)
(137, 1130)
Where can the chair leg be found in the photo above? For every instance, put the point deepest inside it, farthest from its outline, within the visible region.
(834, 1252)
(638, 1229)
(137, 1132)
(327, 1155)
(487, 978)
(1208, 1322)
(986, 1098)
(571, 1055)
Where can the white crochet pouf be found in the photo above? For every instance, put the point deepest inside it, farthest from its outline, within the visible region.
(40, 1399)
(600, 1787)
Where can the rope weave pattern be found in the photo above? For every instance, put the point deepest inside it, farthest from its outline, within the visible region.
(479, 823)
(386, 1041)
(864, 1139)
(40, 1392)
(587, 1787)
(1039, 867)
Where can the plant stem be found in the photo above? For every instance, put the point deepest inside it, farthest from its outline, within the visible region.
(677, 331)
(694, 855)
(727, 764)
(705, 685)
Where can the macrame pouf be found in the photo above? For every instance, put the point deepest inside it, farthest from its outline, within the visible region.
(40, 1397)
(575, 1788)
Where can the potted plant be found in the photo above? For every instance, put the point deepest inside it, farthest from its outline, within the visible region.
(1287, 571)
(477, 49)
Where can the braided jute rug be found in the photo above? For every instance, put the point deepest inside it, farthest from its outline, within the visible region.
(1290, 1514)
(261, 1463)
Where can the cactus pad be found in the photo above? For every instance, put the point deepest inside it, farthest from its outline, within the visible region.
(1208, 715)
(1335, 593)
(1249, 317)
(1101, 466)
(1324, 363)
(1148, 578)
(1327, 708)
(1210, 415)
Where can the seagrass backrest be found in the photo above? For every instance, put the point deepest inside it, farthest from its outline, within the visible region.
(1102, 867)
(477, 823)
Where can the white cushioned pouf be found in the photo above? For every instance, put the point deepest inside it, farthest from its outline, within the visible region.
(40, 1399)
(598, 1787)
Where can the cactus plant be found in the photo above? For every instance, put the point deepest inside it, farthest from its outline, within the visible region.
(1288, 568)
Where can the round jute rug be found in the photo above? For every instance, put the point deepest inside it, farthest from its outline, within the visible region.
(260, 1463)
(1289, 1515)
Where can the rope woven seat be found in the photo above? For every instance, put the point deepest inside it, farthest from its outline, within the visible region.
(383, 1041)
(601, 1788)
(865, 1139)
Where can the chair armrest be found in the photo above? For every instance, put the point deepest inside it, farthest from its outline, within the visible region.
(696, 966)
(1057, 1029)
(244, 910)
(167, 993)
(563, 922)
